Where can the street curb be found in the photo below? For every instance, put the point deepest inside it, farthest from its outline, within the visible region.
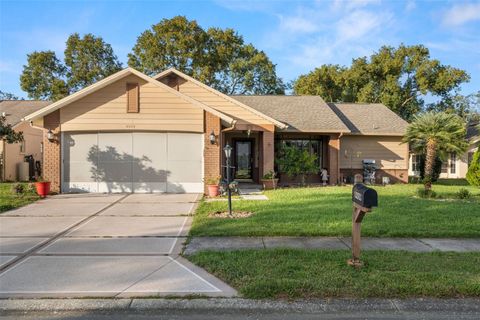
(470, 305)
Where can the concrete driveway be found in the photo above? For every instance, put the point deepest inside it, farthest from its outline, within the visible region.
(101, 245)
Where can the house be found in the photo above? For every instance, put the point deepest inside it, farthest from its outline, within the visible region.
(455, 166)
(133, 133)
(12, 155)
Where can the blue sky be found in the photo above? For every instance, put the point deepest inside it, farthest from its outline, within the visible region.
(297, 35)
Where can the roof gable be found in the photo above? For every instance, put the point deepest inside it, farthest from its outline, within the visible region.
(242, 110)
(113, 78)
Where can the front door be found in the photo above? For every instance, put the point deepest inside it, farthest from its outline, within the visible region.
(243, 159)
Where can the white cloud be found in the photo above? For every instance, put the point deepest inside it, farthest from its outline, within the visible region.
(410, 5)
(461, 14)
(357, 24)
(352, 4)
(297, 23)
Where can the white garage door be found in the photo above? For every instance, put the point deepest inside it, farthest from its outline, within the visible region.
(132, 162)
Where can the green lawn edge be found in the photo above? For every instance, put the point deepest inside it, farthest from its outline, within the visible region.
(327, 212)
(306, 274)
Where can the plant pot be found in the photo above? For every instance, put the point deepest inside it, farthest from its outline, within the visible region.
(43, 188)
(213, 190)
(269, 184)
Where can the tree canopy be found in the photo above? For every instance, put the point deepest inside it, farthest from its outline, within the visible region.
(218, 57)
(8, 96)
(7, 133)
(87, 60)
(399, 77)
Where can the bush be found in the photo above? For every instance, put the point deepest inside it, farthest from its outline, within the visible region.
(463, 194)
(18, 188)
(296, 162)
(426, 194)
(473, 174)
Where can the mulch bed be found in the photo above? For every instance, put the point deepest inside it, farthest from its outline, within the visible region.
(235, 214)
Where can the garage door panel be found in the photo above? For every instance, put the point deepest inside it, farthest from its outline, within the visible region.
(150, 187)
(78, 147)
(115, 147)
(185, 171)
(81, 172)
(184, 146)
(133, 162)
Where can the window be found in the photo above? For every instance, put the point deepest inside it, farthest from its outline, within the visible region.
(415, 163)
(453, 163)
(444, 166)
(312, 145)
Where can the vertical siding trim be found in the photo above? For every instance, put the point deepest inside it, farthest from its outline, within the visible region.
(133, 97)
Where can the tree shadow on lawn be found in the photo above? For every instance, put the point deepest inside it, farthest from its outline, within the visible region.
(317, 215)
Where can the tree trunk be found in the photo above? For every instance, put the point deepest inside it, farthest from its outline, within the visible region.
(429, 163)
(302, 179)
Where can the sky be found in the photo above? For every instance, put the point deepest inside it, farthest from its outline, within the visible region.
(297, 35)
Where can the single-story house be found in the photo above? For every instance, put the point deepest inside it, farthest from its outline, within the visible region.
(133, 133)
(455, 166)
(12, 154)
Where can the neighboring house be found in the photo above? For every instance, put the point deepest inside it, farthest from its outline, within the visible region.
(12, 155)
(134, 133)
(455, 166)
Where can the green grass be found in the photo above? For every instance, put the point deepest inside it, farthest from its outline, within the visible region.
(327, 212)
(289, 273)
(10, 200)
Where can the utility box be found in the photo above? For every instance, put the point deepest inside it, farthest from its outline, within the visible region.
(23, 171)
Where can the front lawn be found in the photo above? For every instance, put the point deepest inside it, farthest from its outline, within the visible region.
(327, 212)
(9, 200)
(289, 273)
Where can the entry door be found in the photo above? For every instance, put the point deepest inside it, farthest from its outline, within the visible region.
(243, 160)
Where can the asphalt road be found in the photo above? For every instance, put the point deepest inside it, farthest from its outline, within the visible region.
(220, 314)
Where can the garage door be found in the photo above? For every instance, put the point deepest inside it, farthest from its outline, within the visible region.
(132, 162)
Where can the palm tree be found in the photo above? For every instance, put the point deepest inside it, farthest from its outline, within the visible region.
(433, 133)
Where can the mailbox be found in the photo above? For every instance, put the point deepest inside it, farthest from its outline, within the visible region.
(364, 196)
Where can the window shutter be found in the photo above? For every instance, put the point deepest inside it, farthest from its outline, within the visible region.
(133, 98)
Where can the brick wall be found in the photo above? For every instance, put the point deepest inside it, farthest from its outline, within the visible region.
(333, 160)
(267, 152)
(212, 152)
(51, 151)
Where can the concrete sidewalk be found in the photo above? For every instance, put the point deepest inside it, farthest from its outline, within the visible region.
(333, 243)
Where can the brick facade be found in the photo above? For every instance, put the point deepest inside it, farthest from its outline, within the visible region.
(268, 150)
(333, 159)
(212, 152)
(51, 151)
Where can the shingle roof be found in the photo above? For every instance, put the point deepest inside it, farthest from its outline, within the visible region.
(472, 131)
(300, 113)
(370, 118)
(18, 109)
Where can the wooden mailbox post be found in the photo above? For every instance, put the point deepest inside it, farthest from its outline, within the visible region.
(363, 199)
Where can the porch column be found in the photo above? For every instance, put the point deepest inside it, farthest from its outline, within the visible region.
(212, 152)
(51, 151)
(333, 158)
(267, 152)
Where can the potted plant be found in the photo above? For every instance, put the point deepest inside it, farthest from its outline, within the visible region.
(213, 186)
(269, 180)
(42, 187)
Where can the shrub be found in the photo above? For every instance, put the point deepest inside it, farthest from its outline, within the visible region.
(473, 174)
(426, 194)
(296, 162)
(463, 194)
(18, 188)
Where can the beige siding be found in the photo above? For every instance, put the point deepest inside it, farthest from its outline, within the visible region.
(221, 104)
(387, 151)
(106, 109)
(13, 156)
